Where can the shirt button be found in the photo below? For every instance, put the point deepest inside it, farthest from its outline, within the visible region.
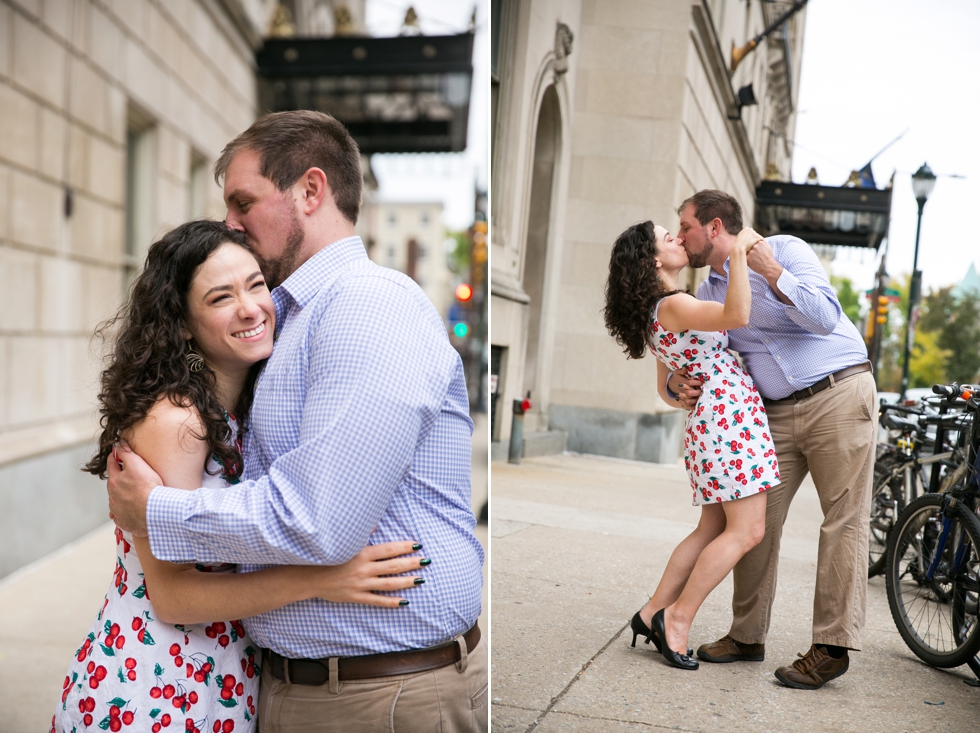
(779, 358)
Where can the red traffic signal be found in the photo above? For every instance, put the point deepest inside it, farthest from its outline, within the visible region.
(464, 292)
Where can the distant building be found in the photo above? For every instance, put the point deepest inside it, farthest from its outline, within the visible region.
(408, 237)
(969, 285)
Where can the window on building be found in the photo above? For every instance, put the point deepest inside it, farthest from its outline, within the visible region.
(390, 261)
(197, 186)
(392, 218)
(424, 218)
(140, 175)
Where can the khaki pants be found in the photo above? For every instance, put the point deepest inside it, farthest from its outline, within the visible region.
(830, 435)
(442, 700)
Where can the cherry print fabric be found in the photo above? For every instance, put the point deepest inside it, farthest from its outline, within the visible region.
(728, 450)
(136, 673)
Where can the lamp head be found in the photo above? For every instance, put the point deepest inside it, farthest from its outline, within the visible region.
(923, 181)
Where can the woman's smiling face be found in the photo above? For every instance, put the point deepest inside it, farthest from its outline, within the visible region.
(230, 314)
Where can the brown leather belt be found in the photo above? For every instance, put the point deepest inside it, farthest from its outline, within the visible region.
(823, 383)
(317, 671)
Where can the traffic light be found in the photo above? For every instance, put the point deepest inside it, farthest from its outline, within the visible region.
(479, 242)
(882, 310)
(464, 292)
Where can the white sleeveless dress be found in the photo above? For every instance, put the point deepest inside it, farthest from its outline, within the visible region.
(135, 673)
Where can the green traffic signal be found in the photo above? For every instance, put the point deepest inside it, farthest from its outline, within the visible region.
(461, 329)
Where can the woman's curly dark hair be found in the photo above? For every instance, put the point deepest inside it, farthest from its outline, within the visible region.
(149, 361)
(633, 288)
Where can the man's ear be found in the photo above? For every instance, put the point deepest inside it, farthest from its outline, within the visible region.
(311, 188)
(716, 227)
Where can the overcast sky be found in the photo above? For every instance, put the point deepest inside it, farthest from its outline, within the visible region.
(446, 177)
(871, 69)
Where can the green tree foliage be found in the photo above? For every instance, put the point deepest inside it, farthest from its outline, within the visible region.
(956, 321)
(848, 297)
(928, 363)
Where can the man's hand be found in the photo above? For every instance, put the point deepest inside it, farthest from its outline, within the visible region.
(130, 482)
(687, 388)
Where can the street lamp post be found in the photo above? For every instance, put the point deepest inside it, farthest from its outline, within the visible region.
(923, 181)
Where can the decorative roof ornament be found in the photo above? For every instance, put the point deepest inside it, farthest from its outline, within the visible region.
(410, 26)
(281, 25)
(343, 21)
(563, 48)
(811, 177)
(772, 173)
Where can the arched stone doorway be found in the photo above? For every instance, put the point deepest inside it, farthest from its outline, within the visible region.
(547, 143)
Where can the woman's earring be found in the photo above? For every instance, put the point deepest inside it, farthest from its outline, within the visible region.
(195, 362)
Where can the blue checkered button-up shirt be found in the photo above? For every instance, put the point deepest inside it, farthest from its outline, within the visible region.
(789, 347)
(360, 421)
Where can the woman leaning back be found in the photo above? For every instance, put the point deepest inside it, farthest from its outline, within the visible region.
(728, 451)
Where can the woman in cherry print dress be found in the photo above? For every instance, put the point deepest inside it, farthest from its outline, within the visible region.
(728, 451)
(190, 343)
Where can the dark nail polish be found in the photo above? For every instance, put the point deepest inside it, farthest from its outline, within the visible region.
(402, 603)
(419, 581)
(424, 561)
(417, 546)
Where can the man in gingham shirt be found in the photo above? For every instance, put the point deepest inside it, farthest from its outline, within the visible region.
(359, 431)
(810, 365)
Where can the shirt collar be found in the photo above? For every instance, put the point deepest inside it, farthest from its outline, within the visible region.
(720, 278)
(319, 271)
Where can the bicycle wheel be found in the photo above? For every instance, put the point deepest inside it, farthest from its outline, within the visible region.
(887, 501)
(936, 616)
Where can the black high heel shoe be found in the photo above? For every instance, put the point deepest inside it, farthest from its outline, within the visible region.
(681, 661)
(640, 629)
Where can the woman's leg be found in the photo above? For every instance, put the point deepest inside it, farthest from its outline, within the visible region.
(683, 559)
(744, 527)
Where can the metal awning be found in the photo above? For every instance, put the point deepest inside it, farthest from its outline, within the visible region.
(408, 94)
(849, 217)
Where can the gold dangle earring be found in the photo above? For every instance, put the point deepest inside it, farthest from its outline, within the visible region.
(195, 362)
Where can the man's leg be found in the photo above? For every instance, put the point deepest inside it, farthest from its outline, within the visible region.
(755, 574)
(452, 699)
(838, 431)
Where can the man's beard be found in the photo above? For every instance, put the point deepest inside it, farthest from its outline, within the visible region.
(277, 269)
(700, 259)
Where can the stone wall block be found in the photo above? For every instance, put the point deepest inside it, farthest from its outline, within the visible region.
(611, 136)
(171, 204)
(56, 16)
(39, 62)
(5, 386)
(18, 296)
(51, 143)
(80, 376)
(6, 40)
(107, 171)
(36, 211)
(130, 13)
(88, 96)
(18, 127)
(617, 48)
(102, 294)
(61, 295)
(78, 157)
(33, 374)
(4, 202)
(116, 114)
(143, 79)
(106, 42)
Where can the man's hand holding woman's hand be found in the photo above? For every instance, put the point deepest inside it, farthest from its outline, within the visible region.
(687, 388)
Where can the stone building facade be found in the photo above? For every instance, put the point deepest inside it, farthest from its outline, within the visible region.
(408, 236)
(606, 113)
(112, 113)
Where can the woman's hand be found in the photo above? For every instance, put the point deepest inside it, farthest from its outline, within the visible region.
(747, 239)
(356, 579)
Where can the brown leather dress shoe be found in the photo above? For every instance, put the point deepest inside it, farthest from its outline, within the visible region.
(727, 649)
(812, 669)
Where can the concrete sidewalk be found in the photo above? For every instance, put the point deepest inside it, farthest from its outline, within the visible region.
(47, 608)
(579, 543)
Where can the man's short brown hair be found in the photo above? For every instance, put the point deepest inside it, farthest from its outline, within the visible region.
(712, 204)
(290, 143)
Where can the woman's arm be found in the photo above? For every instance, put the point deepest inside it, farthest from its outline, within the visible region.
(683, 312)
(168, 440)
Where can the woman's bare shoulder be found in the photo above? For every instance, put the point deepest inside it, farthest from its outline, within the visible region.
(166, 422)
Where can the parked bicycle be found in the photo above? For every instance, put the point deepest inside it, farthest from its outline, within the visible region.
(932, 575)
(910, 466)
